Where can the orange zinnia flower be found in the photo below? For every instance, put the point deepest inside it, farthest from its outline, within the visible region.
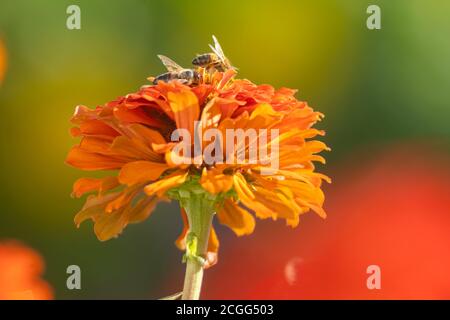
(20, 271)
(134, 135)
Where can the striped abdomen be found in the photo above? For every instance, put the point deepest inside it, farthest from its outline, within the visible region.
(166, 77)
(204, 59)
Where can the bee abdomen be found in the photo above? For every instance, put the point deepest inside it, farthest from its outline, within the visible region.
(202, 60)
(186, 74)
(166, 77)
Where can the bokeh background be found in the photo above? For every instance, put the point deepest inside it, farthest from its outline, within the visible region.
(385, 94)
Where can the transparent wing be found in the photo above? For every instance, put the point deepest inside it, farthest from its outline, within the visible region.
(218, 47)
(169, 63)
(217, 53)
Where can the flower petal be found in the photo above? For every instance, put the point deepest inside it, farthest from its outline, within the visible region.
(94, 207)
(161, 186)
(148, 116)
(238, 219)
(82, 159)
(141, 171)
(143, 209)
(212, 256)
(84, 185)
(181, 240)
(186, 110)
(215, 182)
(94, 128)
(110, 225)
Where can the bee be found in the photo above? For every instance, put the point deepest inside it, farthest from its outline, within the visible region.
(213, 60)
(176, 72)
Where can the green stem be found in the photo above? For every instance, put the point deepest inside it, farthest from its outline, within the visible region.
(192, 281)
(200, 212)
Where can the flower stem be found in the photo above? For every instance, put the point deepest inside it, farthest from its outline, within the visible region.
(200, 212)
(192, 281)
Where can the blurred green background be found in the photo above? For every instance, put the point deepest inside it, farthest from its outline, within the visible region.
(376, 87)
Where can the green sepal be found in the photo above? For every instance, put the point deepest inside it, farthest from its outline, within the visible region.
(200, 207)
(191, 249)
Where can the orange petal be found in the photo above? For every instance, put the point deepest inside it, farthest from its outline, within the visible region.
(211, 115)
(163, 147)
(82, 159)
(94, 207)
(180, 242)
(147, 134)
(213, 248)
(141, 171)
(84, 185)
(242, 187)
(280, 204)
(138, 115)
(95, 128)
(110, 225)
(133, 149)
(213, 241)
(247, 197)
(238, 219)
(124, 199)
(142, 209)
(161, 186)
(186, 110)
(215, 182)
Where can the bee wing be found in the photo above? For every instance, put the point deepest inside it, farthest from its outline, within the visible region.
(216, 52)
(218, 47)
(169, 63)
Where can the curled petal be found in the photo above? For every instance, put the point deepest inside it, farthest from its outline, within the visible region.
(213, 248)
(110, 224)
(238, 219)
(143, 209)
(84, 185)
(94, 207)
(181, 240)
(161, 186)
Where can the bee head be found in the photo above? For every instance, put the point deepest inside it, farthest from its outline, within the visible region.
(197, 77)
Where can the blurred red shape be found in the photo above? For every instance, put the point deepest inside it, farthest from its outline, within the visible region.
(392, 212)
(2, 60)
(20, 273)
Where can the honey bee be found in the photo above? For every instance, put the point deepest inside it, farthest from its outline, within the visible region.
(176, 72)
(215, 60)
